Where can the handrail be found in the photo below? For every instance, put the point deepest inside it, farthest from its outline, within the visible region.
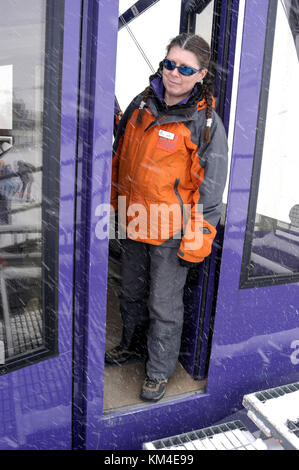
(20, 229)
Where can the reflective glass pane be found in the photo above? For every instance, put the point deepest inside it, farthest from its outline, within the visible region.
(275, 244)
(23, 43)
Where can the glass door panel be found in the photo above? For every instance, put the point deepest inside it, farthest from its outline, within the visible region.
(39, 63)
(24, 158)
(256, 319)
(272, 242)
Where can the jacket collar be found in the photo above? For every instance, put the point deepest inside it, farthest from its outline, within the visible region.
(185, 110)
(159, 89)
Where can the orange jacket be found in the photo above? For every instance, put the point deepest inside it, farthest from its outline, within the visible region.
(170, 180)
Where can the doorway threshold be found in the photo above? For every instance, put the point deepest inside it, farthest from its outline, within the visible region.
(123, 385)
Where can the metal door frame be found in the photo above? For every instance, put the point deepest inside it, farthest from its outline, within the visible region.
(202, 284)
(129, 428)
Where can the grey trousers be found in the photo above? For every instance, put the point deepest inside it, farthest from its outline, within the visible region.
(151, 303)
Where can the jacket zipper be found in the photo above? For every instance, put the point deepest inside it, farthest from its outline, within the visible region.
(153, 123)
(176, 184)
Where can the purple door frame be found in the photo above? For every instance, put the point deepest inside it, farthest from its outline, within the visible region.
(41, 394)
(200, 292)
(101, 132)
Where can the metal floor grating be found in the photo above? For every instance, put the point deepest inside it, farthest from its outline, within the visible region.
(275, 411)
(276, 392)
(293, 426)
(26, 330)
(229, 436)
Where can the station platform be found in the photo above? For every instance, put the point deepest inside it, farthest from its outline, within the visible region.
(274, 412)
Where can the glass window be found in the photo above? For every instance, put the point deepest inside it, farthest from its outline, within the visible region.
(204, 22)
(272, 248)
(29, 73)
(142, 45)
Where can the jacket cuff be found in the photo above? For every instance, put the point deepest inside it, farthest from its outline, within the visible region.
(189, 259)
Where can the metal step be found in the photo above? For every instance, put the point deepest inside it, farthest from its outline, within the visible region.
(229, 436)
(275, 412)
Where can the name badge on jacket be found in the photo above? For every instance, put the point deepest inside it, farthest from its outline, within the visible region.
(167, 141)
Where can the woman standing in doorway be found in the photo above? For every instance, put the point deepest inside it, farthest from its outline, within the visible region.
(170, 152)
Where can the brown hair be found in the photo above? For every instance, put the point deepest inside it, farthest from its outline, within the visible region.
(201, 49)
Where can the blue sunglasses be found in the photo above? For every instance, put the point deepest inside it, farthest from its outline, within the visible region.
(183, 69)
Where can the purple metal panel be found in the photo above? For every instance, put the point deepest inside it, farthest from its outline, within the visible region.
(192, 320)
(136, 10)
(220, 45)
(196, 334)
(100, 189)
(38, 398)
(232, 10)
(83, 197)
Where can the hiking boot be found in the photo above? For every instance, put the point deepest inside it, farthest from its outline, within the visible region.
(119, 355)
(153, 389)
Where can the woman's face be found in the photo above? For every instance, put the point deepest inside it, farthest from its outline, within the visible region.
(178, 86)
